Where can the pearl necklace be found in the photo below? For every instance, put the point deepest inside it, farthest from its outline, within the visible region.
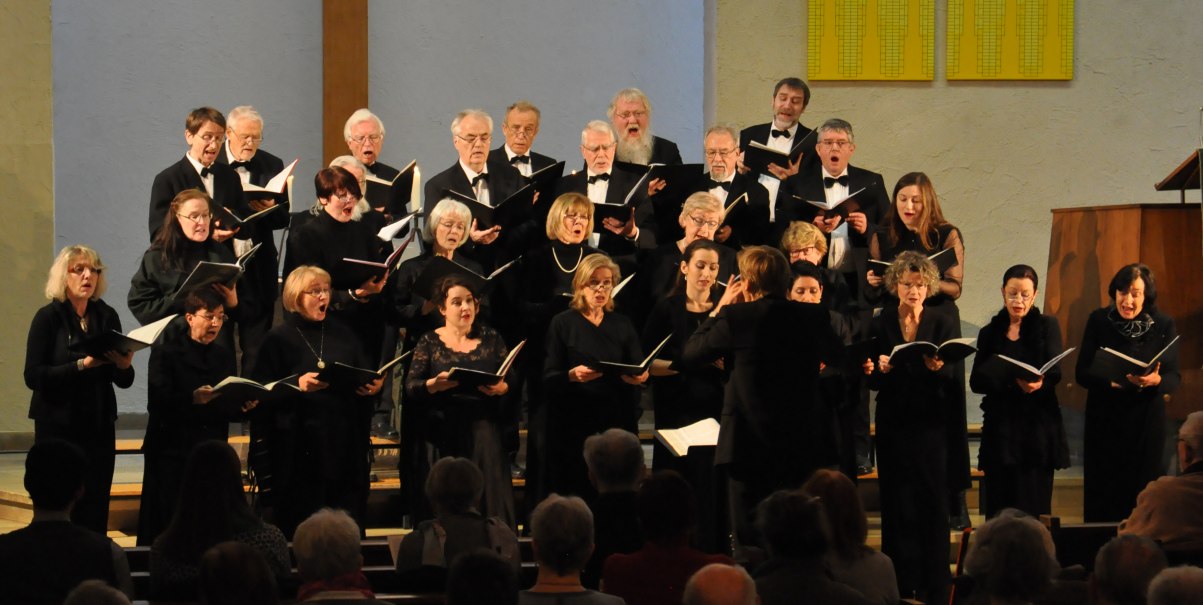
(579, 255)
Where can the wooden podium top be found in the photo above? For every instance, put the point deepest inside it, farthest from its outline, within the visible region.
(1145, 206)
(1185, 176)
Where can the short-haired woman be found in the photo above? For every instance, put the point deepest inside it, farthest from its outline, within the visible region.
(562, 538)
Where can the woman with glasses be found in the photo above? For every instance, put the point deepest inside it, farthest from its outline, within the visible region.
(914, 406)
(309, 446)
(182, 407)
(1023, 440)
(73, 395)
(583, 398)
(700, 217)
(184, 240)
(339, 233)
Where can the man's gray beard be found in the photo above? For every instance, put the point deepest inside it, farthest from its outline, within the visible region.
(636, 152)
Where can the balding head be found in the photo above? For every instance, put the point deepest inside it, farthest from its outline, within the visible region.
(720, 584)
(1123, 569)
(1177, 586)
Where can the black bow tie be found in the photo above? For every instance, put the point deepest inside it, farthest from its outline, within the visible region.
(476, 180)
(711, 184)
(240, 164)
(205, 172)
(778, 133)
(598, 177)
(520, 159)
(828, 182)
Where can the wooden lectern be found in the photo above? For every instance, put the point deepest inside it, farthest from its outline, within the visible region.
(1090, 244)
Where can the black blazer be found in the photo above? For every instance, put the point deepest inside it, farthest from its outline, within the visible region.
(808, 185)
(772, 425)
(664, 151)
(263, 267)
(503, 179)
(538, 161)
(227, 189)
(621, 183)
(760, 133)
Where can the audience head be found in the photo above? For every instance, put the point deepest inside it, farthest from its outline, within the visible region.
(570, 219)
(448, 224)
(521, 126)
(913, 278)
(630, 112)
(597, 147)
(594, 282)
(1134, 290)
(615, 461)
(481, 577)
(845, 513)
(1123, 569)
(764, 270)
(204, 310)
(307, 292)
(804, 241)
(700, 217)
(472, 132)
(95, 592)
(1010, 558)
(721, 584)
(666, 507)
(562, 534)
(916, 208)
(454, 485)
(205, 132)
(793, 525)
(1177, 586)
(790, 98)
(234, 573)
(807, 286)
(699, 266)
(835, 146)
(54, 474)
(721, 148)
(77, 273)
(364, 134)
(1190, 440)
(244, 131)
(326, 545)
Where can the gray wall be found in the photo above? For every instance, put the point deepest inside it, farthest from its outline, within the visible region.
(126, 73)
(429, 59)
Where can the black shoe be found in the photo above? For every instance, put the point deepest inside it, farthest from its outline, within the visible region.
(383, 430)
(863, 470)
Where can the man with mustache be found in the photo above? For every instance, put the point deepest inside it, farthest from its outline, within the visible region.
(790, 98)
(631, 112)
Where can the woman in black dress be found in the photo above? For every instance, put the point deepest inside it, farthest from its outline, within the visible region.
(914, 407)
(1125, 420)
(73, 395)
(463, 421)
(183, 410)
(683, 393)
(312, 443)
(1023, 440)
(583, 400)
(184, 240)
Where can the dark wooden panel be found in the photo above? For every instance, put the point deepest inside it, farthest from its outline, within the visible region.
(344, 69)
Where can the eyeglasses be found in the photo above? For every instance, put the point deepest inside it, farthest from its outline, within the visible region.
(1020, 296)
(346, 198)
(600, 286)
(804, 251)
(626, 115)
(836, 144)
(719, 153)
(452, 225)
(213, 137)
(528, 131)
(196, 218)
(572, 218)
(359, 140)
(249, 139)
(472, 139)
(701, 222)
(81, 269)
(213, 319)
(597, 148)
(318, 292)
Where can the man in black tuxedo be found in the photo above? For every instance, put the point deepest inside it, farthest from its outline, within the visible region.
(244, 135)
(631, 112)
(784, 133)
(520, 127)
(204, 131)
(747, 224)
(604, 183)
(364, 134)
(475, 177)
